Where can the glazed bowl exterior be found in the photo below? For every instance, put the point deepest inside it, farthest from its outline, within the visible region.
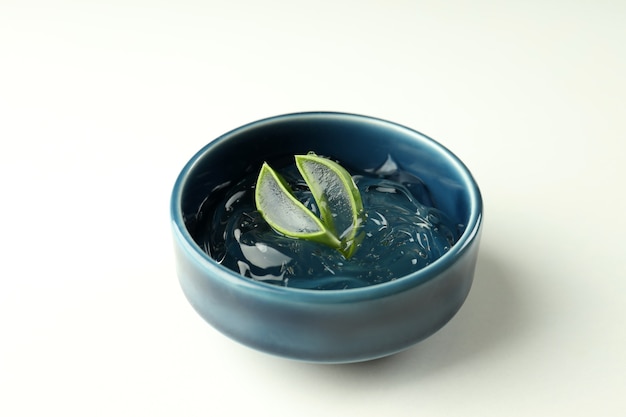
(327, 326)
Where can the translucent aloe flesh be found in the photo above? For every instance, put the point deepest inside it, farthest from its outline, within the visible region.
(336, 194)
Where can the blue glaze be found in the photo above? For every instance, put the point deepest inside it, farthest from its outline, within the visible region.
(331, 326)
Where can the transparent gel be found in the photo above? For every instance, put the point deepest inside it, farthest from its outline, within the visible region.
(402, 231)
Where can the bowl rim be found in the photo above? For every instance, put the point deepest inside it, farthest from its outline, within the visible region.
(400, 284)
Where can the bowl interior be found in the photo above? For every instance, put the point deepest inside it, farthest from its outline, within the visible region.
(359, 142)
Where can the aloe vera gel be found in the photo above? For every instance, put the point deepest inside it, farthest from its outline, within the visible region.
(314, 224)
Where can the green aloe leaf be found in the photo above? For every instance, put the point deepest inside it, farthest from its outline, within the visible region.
(336, 194)
(285, 214)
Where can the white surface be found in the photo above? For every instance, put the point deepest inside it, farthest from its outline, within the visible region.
(101, 104)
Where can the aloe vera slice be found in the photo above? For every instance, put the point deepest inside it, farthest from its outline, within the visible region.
(285, 214)
(337, 196)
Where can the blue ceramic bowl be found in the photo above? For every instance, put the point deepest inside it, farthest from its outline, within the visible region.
(328, 326)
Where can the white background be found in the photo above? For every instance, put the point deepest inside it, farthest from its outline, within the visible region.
(102, 103)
